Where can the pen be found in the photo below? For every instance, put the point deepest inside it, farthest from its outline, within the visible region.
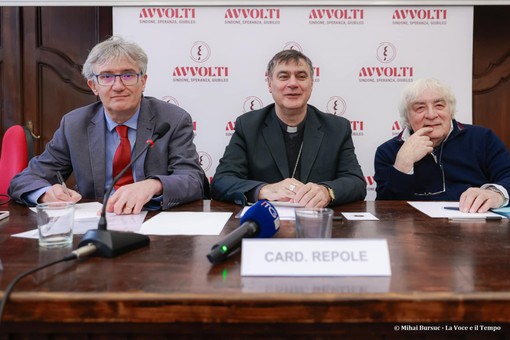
(474, 219)
(451, 208)
(61, 181)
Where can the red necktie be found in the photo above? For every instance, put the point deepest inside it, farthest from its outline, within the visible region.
(122, 157)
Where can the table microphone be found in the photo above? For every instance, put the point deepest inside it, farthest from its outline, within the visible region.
(113, 243)
(260, 221)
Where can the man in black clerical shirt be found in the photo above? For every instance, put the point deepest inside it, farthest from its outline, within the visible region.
(290, 151)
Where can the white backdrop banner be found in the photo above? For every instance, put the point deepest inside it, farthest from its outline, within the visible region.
(212, 61)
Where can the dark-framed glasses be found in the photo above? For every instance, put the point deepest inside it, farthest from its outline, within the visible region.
(432, 193)
(108, 79)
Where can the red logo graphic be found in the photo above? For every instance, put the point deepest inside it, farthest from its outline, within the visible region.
(200, 52)
(420, 14)
(167, 13)
(396, 126)
(205, 160)
(336, 105)
(357, 125)
(170, 99)
(230, 126)
(336, 13)
(195, 126)
(252, 103)
(386, 52)
(370, 180)
(252, 13)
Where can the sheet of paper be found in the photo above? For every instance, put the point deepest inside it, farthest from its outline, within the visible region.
(365, 216)
(186, 223)
(83, 210)
(437, 210)
(128, 223)
(284, 212)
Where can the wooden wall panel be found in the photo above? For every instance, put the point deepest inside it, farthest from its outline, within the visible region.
(491, 69)
(56, 43)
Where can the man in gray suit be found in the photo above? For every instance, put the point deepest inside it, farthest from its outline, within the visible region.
(290, 151)
(166, 175)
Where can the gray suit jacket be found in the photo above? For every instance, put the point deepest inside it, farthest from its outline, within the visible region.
(256, 155)
(79, 146)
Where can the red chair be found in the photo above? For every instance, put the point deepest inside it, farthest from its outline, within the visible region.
(14, 156)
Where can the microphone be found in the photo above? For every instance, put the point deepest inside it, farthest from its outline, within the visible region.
(113, 243)
(260, 221)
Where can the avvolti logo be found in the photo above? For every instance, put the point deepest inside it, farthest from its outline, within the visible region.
(336, 16)
(420, 16)
(357, 127)
(292, 45)
(205, 160)
(167, 15)
(230, 128)
(386, 53)
(252, 103)
(252, 16)
(336, 105)
(200, 53)
(396, 128)
(170, 99)
(370, 183)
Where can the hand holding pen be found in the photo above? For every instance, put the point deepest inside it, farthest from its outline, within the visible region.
(60, 192)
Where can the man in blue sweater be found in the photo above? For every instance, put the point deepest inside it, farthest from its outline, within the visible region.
(436, 158)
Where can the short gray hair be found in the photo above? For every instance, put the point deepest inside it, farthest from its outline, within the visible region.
(114, 48)
(286, 56)
(412, 91)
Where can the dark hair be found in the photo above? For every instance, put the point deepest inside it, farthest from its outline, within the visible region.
(286, 56)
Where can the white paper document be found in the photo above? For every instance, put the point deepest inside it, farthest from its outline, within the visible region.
(128, 223)
(84, 210)
(186, 223)
(361, 216)
(440, 209)
(285, 212)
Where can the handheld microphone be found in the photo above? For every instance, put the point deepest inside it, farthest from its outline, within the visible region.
(113, 243)
(260, 221)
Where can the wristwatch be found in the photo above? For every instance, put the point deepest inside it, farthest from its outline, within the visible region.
(331, 194)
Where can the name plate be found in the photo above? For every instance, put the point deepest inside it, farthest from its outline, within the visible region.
(315, 257)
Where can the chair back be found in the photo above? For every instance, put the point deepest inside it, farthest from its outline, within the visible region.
(14, 156)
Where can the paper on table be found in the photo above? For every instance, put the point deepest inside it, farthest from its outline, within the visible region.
(437, 210)
(362, 216)
(284, 212)
(84, 210)
(128, 223)
(186, 223)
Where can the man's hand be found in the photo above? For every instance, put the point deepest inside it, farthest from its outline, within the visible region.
(479, 200)
(417, 146)
(309, 195)
(283, 191)
(57, 193)
(130, 199)
(312, 195)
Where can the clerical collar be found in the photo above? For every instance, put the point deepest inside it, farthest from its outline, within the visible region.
(288, 128)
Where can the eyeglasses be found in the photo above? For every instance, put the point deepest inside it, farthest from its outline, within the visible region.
(438, 162)
(108, 79)
(436, 192)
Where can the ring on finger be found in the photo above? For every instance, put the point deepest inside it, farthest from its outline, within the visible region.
(292, 187)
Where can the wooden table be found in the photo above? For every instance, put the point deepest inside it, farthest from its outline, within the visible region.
(444, 274)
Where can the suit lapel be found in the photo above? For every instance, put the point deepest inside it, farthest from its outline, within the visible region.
(97, 151)
(144, 131)
(272, 134)
(312, 140)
